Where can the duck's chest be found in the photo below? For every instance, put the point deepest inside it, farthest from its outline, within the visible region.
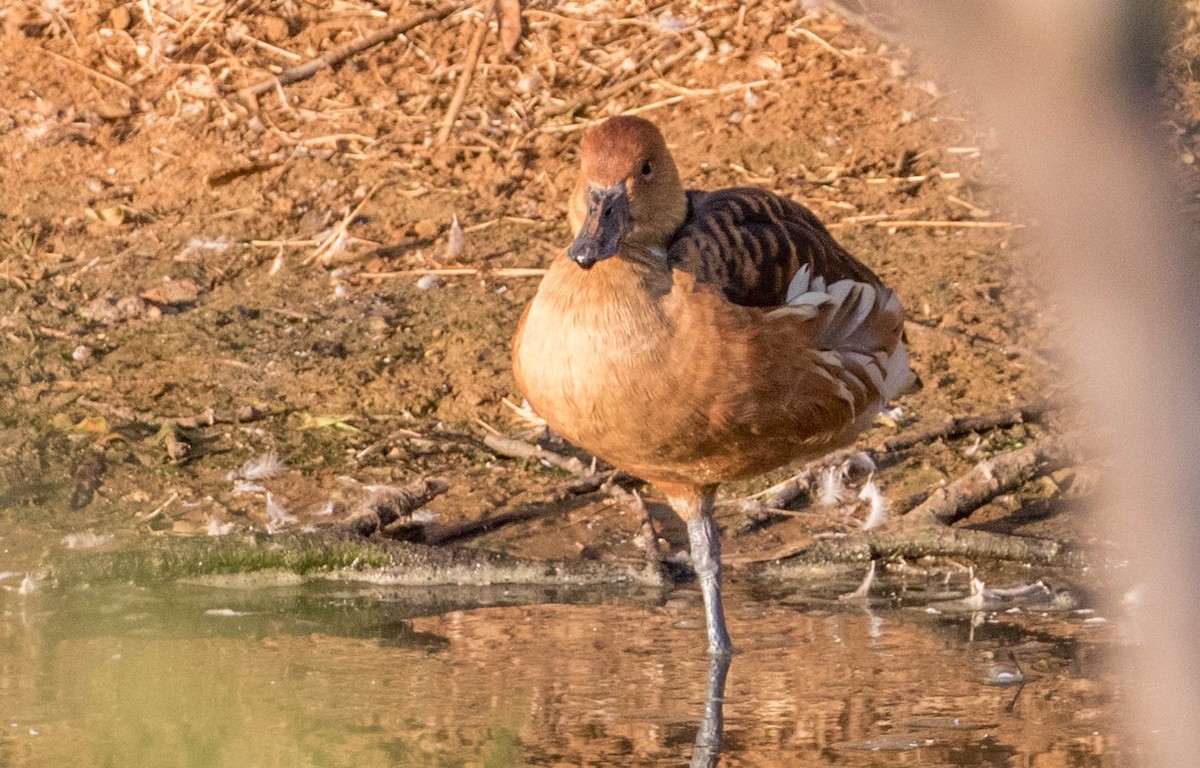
(589, 355)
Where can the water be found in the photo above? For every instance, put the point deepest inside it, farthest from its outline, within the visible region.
(331, 676)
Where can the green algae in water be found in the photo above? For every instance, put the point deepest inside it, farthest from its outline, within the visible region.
(290, 559)
(190, 558)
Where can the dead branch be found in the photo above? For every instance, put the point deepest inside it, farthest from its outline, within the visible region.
(338, 55)
(913, 224)
(965, 425)
(519, 449)
(387, 508)
(587, 481)
(89, 71)
(456, 271)
(464, 80)
(649, 73)
(992, 477)
(206, 419)
(925, 541)
(435, 535)
(784, 493)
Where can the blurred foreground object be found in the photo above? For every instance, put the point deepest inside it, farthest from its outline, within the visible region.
(1071, 86)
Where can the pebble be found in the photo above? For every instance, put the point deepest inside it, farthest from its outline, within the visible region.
(81, 353)
(426, 228)
(274, 29)
(426, 282)
(120, 17)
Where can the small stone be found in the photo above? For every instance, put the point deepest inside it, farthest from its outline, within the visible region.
(426, 228)
(81, 353)
(114, 110)
(426, 282)
(274, 29)
(120, 17)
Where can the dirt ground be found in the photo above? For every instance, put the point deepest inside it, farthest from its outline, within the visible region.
(173, 250)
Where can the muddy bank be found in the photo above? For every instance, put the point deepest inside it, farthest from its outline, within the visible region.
(191, 282)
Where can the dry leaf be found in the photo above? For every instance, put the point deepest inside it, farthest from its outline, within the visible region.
(509, 14)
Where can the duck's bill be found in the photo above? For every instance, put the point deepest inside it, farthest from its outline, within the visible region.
(606, 223)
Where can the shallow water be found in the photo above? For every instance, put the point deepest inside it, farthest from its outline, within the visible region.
(330, 676)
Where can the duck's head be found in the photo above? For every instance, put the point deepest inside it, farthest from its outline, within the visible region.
(628, 193)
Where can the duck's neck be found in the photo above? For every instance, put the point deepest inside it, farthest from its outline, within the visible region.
(634, 275)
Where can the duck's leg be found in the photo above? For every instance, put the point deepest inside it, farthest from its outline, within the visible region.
(705, 544)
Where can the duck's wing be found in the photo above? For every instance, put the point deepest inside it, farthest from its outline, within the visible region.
(855, 332)
(749, 243)
(748, 390)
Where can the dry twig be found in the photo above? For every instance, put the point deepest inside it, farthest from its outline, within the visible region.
(992, 477)
(334, 57)
(916, 542)
(464, 80)
(456, 271)
(913, 224)
(206, 419)
(783, 493)
(84, 68)
(519, 449)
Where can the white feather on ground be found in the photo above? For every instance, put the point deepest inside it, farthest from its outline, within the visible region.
(877, 513)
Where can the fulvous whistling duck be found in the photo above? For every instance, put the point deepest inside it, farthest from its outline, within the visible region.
(692, 338)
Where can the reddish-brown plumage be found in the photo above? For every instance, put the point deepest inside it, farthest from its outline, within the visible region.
(648, 364)
(681, 359)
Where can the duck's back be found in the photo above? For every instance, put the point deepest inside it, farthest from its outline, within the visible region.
(749, 243)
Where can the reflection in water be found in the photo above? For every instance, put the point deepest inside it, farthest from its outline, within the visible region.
(708, 738)
(315, 677)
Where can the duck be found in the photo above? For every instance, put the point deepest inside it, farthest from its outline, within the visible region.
(693, 338)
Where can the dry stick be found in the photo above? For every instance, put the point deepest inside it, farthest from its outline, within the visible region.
(334, 57)
(649, 72)
(697, 93)
(587, 482)
(207, 419)
(885, 224)
(435, 535)
(99, 75)
(464, 81)
(454, 271)
(924, 531)
(519, 449)
(921, 541)
(990, 478)
(330, 245)
(965, 425)
(387, 509)
(784, 493)
(646, 74)
(814, 37)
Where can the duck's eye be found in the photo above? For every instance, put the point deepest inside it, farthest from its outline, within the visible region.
(646, 170)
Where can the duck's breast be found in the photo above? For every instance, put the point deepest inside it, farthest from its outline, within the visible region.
(590, 353)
